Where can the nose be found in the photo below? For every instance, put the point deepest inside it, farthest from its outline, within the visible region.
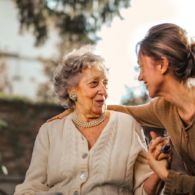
(102, 90)
(140, 76)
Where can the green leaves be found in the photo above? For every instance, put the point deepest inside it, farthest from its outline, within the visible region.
(73, 17)
(3, 124)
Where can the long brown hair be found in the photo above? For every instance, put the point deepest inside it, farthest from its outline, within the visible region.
(171, 41)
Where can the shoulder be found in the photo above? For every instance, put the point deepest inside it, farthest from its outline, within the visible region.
(60, 116)
(160, 104)
(125, 120)
(53, 125)
(122, 116)
(159, 101)
(128, 127)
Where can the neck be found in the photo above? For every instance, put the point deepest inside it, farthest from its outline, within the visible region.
(90, 123)
(88, 115)
(181, 96)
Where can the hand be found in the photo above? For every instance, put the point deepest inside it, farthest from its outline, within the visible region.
(158, 166)
(155, 147)
(61, 115)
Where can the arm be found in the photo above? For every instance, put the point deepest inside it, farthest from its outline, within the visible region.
(152, 184)
(145, 181)
(179, 183)
(175, 182)
(61, 115)
(145, 114)
(36, 176)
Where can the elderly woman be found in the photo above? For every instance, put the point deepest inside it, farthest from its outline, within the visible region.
(92, 150)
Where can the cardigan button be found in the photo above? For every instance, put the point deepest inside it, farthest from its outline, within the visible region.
(83, 176)
(76, 193)
(84, 155)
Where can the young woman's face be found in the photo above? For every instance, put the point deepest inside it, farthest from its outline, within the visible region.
(92, 91)
(150, 74)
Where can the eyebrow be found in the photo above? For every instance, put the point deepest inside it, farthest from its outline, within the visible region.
(95, 78)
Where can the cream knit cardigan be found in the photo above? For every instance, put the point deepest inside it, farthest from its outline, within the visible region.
(62, 162)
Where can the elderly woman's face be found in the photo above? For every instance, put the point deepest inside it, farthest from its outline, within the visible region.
(92, 91)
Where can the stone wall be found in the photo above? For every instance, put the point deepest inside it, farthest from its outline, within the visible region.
(20, 122)
(8, 183)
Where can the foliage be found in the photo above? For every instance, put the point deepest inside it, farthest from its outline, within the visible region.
(23, 121)
(77, 19)
(5, 83)
(3, 169)
(14, 98)
(3, 123)
(21, 100)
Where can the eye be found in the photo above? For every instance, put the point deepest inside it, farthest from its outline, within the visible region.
(105, 82)
(93, 83)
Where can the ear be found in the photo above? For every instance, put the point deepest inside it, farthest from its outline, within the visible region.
(71, 90)
(164, 65)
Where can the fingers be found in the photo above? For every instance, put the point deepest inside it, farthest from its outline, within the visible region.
(153, 134)
(68, 111)
(156, 145)
(142, 158)
(156, 150)
(158, 166)
(159, 155)
(162, 156)
(159, 141)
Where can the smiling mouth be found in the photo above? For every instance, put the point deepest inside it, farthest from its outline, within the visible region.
(100, 101)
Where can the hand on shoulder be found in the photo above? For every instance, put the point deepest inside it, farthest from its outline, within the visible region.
(61, 115)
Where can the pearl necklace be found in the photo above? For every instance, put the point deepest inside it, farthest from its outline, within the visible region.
(89, 124)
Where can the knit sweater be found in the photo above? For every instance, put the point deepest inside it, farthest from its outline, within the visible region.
(62, 162)
(162, 114)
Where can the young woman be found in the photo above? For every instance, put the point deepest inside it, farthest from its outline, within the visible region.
(167, 67)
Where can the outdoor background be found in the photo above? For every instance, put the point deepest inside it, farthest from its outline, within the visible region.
(35, 34)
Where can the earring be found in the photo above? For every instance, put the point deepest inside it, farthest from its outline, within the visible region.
(73, 97)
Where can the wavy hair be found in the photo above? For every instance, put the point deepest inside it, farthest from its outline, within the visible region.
(69, 72)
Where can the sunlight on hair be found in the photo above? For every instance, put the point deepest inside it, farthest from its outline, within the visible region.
(82, 50)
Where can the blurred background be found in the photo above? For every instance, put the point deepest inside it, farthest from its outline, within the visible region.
(35, 34)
